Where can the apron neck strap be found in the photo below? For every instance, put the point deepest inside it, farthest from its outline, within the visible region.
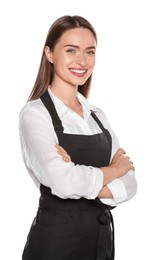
(47, 101)
(105, 131)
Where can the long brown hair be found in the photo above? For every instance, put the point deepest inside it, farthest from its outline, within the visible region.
(46, 70)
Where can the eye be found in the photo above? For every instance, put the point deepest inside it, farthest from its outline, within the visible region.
(91, 52)
(71, 51)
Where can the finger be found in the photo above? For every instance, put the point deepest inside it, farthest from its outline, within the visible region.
(66, 159)
(61, 149)
(121, 151)
(126, 156)
(62, 153)
(67, 156)
(131, 163)
(133, 167)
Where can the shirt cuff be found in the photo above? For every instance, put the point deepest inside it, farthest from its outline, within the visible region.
(97, 183)
(118, 190)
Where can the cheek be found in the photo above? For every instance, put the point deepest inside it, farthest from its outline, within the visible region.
(92, 64)
(91, 61)
(63, 60)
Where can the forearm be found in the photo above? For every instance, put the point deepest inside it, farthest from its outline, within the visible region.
(122, 189)
(119, 166)
(105, 193)
(109, 174)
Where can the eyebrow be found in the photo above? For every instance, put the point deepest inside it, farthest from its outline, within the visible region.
(77, 47)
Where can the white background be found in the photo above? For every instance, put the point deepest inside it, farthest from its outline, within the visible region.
(123, 85)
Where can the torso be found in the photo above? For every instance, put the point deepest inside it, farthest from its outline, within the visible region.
(73, 229)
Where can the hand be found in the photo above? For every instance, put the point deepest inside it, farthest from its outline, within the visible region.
(65, 156)
(122, 162)
(118, 167)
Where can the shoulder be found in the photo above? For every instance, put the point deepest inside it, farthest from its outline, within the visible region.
(32, 106)
(34, 109)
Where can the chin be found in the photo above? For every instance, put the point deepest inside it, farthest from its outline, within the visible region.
(80, 82)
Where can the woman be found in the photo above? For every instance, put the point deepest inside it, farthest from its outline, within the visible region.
(71, 152)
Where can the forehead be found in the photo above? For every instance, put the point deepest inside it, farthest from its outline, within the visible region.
(78, 36)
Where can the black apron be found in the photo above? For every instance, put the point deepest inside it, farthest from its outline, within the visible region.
(73, 229)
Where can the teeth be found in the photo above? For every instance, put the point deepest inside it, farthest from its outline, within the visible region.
(78, 71)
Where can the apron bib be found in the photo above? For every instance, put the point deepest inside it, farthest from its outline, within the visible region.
(70, 229)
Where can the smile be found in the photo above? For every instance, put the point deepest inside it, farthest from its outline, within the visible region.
(78, 72)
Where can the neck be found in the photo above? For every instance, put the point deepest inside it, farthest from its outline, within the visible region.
(67, 94)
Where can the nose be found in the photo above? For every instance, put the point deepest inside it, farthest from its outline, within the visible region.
(81, 60)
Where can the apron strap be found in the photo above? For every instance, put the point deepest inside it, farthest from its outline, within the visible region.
(57, 123)
(105, 131)
(105, 247)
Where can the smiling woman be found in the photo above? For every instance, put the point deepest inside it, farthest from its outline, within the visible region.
(73, 58)
(71, 152)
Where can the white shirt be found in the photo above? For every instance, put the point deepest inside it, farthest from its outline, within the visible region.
(46, 166)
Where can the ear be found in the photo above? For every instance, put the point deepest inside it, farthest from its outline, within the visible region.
(49, 54)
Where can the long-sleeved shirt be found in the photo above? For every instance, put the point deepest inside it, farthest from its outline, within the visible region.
(46, 166)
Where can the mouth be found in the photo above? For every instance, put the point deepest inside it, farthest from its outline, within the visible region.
(78, 72)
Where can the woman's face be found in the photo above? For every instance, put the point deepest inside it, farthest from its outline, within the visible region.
(74, 57)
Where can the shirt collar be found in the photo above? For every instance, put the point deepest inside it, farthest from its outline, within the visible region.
(62, 109)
